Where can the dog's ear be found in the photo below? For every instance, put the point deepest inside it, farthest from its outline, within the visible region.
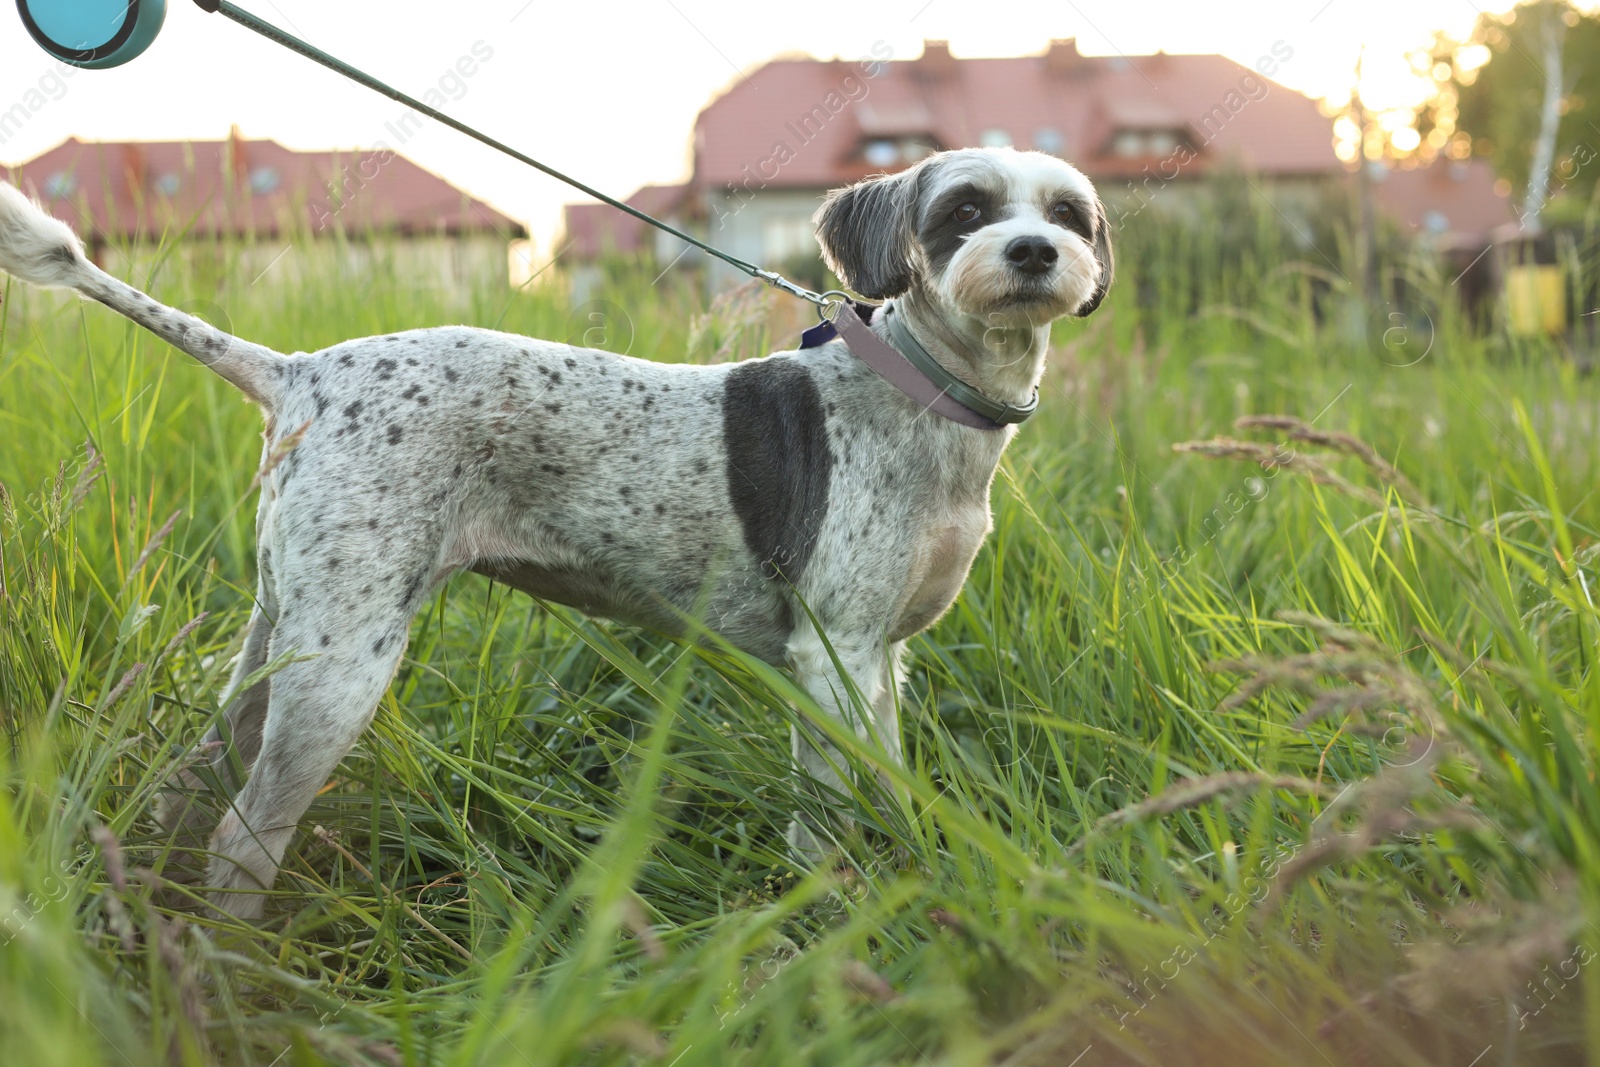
(1102, 255)
(865, 231)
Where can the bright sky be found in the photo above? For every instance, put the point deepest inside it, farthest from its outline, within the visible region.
(609, 91)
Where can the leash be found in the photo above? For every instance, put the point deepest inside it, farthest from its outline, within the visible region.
(333, 63)
(906, 365)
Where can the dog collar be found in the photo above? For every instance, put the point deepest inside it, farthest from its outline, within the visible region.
(909, 367)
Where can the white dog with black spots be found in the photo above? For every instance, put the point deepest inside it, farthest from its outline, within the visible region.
(756, 496)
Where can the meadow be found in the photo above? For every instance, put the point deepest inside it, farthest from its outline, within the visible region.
(1263, 732)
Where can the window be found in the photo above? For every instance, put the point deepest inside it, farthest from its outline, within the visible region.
(1137, 144)
(1049, 139)
(1129, 144)
(786, 237)
(60, 184)
(168, 184)
(881, 153)
(264, 180)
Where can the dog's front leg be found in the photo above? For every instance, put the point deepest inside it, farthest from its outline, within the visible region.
(867, 704)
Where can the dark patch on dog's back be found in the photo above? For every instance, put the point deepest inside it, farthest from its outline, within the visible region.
(778, 461)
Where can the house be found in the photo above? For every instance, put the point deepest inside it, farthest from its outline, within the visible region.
(1452, 201)
(126, 196)
(1142, 127)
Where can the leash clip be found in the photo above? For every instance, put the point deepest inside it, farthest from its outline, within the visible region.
(829, 303)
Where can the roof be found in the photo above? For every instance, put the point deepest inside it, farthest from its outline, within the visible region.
(598, 229)
(1450, 197)
(1062, 102)
(240, 186)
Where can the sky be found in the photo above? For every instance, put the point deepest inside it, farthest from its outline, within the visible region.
(609, 91)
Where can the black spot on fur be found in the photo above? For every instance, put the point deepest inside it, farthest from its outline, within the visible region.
(551, 468)
(377, 646)
(554, 409)
(571, 363)
(394, 433)
(325, 640)
(450, 375)
(386, 368)
(778, 461)
(346, 360)
(413, 584)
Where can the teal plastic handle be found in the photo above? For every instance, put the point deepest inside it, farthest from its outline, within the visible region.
(93, 34)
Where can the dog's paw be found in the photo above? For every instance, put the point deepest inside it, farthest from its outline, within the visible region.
(808, 849)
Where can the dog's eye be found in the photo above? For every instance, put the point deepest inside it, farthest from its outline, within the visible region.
(967, 213)
(1062, 212)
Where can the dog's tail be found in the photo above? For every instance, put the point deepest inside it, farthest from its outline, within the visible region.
(43, 251)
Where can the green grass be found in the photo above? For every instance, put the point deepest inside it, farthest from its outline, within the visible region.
(1212, 762)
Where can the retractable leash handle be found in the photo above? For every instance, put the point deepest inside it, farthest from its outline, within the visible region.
(93, 34)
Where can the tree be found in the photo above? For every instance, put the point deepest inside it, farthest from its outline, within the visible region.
(1527, 84)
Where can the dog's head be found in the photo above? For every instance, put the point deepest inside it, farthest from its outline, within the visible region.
(990, 232)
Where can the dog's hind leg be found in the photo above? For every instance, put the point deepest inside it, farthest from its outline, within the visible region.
(317, 710)
(181, 808)
(244, 714)
(348, 618)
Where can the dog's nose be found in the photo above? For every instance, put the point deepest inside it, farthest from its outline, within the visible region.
(1032, 255)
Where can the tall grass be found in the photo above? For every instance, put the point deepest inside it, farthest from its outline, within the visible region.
(1275, 749)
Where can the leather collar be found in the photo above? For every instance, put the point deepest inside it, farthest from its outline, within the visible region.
(909, 367)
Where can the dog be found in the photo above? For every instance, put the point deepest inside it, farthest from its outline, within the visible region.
(799, 505)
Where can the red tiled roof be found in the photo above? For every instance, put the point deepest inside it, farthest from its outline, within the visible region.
(1456, 197)
(593, 230)
(238, 186)
(1060, 101)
